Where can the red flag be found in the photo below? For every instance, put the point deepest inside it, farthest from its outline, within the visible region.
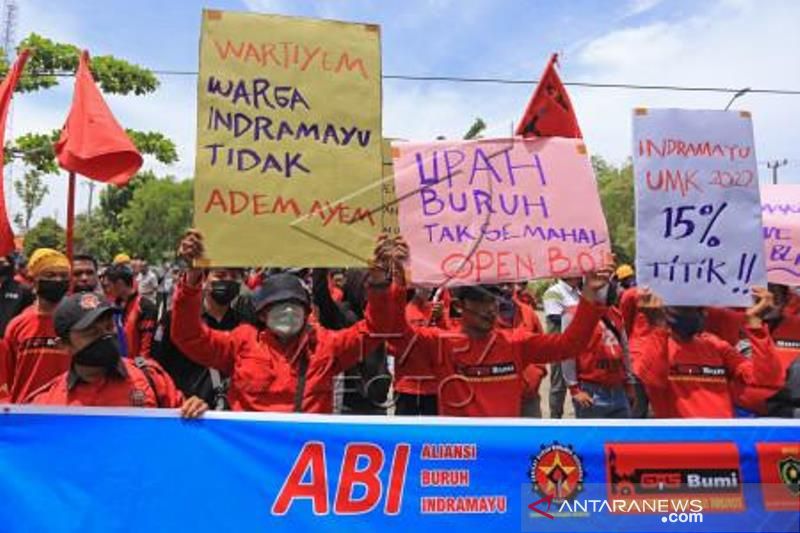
(92, 143)
(6, 91)
(550, 113)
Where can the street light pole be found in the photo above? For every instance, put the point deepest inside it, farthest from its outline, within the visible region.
(774, 166)
(739, 94)
(91, 185)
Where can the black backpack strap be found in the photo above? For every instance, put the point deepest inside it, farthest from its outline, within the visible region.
(301, 383)
(141, 364)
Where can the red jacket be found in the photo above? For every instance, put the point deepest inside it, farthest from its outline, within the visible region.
(694, 378)
(140, 316)
(786, 336)
(126, 386)
(479, 377)
(629, 308)
(31, 354)
(526, 319)
(414, 377)
(792, 304)
(264, 373)
(603, 362)
(725, 323)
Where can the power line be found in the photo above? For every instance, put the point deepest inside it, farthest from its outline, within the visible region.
(512, 81)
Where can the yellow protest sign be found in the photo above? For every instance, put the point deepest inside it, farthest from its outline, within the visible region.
(289, 166)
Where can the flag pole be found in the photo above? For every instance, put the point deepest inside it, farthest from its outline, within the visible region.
(70, 214)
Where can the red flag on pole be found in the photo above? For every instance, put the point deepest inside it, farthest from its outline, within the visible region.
(550, 112)
(6, 91)
(92, 143)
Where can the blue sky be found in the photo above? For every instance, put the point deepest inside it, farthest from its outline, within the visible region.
(729, 43)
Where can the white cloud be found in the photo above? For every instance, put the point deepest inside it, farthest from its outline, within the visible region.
(637, 7)
(730, 43)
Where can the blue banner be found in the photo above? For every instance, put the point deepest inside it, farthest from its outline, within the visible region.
(147, 470)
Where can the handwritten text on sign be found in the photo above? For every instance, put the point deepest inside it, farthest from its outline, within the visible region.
(499, 210)
(288, 140)
(698, 217)
(780, 209)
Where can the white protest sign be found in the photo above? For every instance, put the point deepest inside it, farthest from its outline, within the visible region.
(698, 213)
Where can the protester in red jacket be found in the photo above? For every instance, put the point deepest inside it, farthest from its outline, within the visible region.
(138, 315)
(480, 368)
(784, 328)
(517, 311)
(723, 322)
(285, 364)
(784, 324)
(30, 354)
(600, 379)
(98, 376)
(414, 382)
(688, 372)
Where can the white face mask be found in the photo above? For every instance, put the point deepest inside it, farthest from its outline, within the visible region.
(286, 319)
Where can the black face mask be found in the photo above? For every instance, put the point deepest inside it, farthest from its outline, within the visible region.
(103, 352)
(6, 271)
(507, 310)
(224, 291)
(52, 290)
(686, 325)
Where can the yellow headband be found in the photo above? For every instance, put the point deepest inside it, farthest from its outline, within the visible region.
(46, 259)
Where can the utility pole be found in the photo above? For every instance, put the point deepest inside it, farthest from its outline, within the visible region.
(91, 184)
(8, 41)
(774, 166)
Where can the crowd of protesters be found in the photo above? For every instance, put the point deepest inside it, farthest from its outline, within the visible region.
(365, 341)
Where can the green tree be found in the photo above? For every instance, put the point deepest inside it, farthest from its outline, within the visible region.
(45, 69)
(31, 190)
(114, 200)
(94, 237)
(47, 233)
(474, 131)
(616, 194)
(156, 217)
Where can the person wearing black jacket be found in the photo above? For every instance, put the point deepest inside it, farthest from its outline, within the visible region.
(224, 308)
(14, 297)
(366, 385)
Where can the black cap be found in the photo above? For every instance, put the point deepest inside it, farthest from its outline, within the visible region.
(120, 272)
(79, 311)
(280, 288)
(479, 292)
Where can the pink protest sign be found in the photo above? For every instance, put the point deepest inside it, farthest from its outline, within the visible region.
(780, 212)
(499, 210)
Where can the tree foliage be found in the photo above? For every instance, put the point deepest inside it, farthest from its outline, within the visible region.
(145, 219)
(474, 132)
(47, 233)
(616, 194)
(51, 60)
(48, 64)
